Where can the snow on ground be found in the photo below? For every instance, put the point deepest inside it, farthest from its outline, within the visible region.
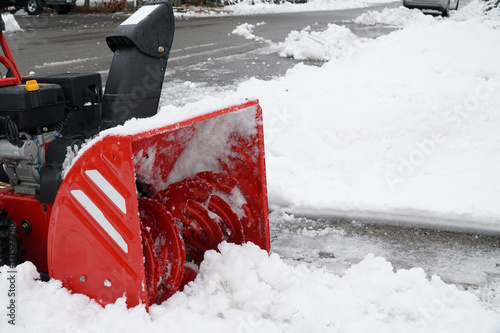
(398, 17)
(10, 22)
(401, 127)
(251, 7)
(254, 7)
(243, 289)
(404, 125)
(334, 42)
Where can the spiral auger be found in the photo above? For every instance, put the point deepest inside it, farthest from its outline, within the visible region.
(203, 204)
(163, 249)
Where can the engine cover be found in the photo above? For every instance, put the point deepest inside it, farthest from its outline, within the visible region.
(30, 109)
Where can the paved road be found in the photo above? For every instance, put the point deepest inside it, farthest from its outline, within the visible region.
(204, 49)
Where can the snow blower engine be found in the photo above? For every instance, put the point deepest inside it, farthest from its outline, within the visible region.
(129, 210)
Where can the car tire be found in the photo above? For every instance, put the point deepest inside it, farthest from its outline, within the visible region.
(63, 9)
(446, 11)
(34, 7)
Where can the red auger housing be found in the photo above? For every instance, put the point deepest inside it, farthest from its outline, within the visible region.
(128, 214)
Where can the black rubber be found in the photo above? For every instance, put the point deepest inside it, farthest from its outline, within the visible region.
(10, 251)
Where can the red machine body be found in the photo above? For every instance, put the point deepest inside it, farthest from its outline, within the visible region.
(137, 209)
(96, 245)
(8, 61)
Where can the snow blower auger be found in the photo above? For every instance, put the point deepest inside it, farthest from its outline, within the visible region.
(141, 203)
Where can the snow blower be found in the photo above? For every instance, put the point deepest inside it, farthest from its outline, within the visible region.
(134, 213)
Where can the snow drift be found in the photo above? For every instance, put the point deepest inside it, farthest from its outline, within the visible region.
(397, 128)
(242, 289)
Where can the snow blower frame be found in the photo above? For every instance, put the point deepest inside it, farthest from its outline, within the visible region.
(135, 212)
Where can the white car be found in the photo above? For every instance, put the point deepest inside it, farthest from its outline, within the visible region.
(444, 6)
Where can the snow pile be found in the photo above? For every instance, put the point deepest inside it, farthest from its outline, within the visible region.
(242, 289)
(335, 42)
(401, 129)
(476, 10)
(398, 17)
(252, 7)
(10, 22)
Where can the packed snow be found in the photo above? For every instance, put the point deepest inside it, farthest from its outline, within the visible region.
(254, 7)
(400, 127)
(11, 24)
(243, 289)
(398, 17)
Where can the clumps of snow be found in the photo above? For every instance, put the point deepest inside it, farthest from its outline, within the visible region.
(477, 10)
(243, 289)
(246, 30)
(334, 42)
(398, 17)
(11, 24)
(257, 7)
(199, 11)
(310, 232)
(71, 156)
(190, 85)
(167, 116)
(212, 142)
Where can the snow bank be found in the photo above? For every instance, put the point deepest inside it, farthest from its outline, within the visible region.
(242, 289)
(252, 7)
(334, 42)
(10, 22)
(403, 128)
(398, 17)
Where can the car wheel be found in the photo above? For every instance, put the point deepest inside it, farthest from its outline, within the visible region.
(34, 7)
(446, 11)
(63, 9)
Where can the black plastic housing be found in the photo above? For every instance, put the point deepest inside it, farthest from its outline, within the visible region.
(142, 46)
(31, 109)
(83, 95)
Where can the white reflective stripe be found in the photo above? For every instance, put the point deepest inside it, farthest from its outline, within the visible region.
(92, 209)
(108, 189)
(140, 15)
